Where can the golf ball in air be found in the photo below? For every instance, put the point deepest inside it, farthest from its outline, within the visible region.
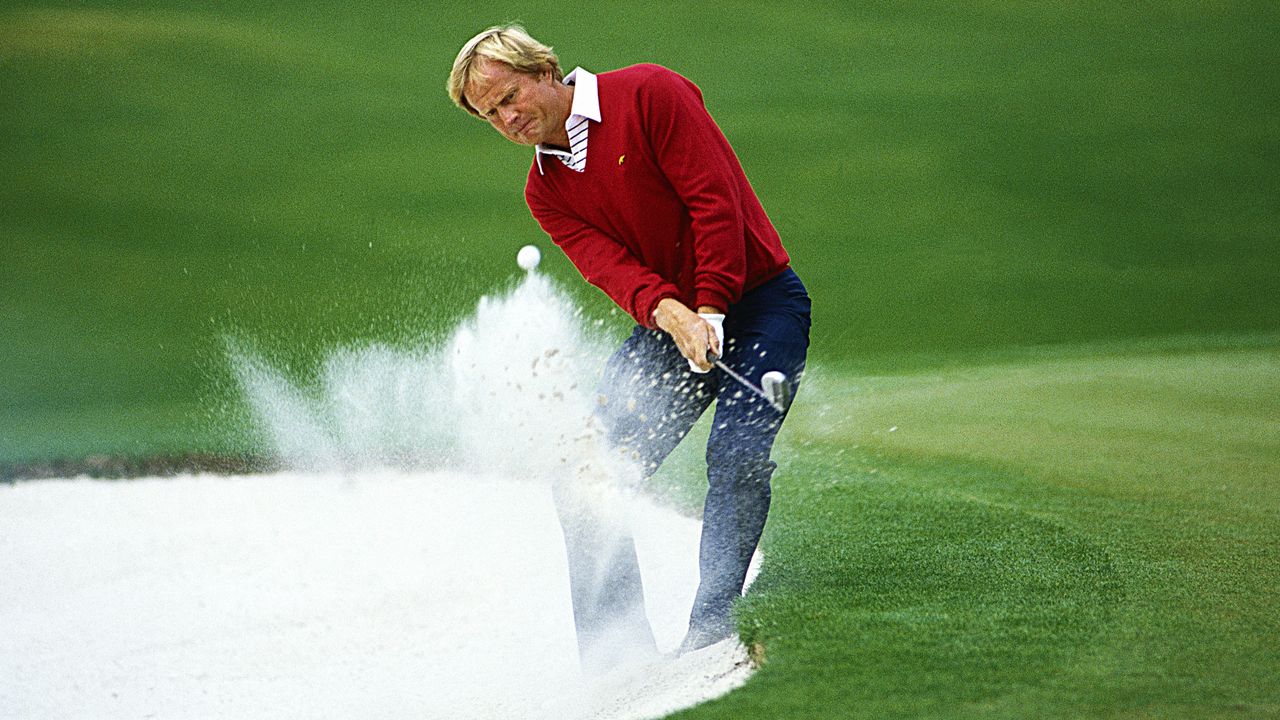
(528, 257)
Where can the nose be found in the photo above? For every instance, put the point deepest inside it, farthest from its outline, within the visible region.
(508, 115)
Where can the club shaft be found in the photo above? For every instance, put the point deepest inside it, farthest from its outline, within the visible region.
(748, 384)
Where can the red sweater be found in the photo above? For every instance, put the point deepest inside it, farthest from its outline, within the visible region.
(663, 208)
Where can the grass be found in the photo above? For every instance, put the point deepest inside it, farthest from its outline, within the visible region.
(949, 180)
(1082, 537)
(1033, 470)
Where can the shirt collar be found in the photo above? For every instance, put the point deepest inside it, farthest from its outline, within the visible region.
(586, 96)
(586, 103)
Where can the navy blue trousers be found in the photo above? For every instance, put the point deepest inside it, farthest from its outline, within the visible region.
(650, 399)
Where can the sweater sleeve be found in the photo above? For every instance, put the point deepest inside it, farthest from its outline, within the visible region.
(602, 260)
(701, 166)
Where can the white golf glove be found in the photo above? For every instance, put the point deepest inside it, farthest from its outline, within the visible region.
(717, 321)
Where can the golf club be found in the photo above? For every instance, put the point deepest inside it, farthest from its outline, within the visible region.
(776, 390)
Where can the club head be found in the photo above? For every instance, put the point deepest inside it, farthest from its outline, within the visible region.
(777, 389)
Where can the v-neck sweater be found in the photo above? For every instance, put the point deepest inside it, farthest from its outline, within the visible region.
(663, 208)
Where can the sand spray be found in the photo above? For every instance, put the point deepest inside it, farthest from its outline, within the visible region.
(510, 394)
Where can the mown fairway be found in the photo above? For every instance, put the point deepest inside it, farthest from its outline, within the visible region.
(1086, 528)
(1065, 537)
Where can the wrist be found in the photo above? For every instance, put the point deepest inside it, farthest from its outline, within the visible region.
(665, 311)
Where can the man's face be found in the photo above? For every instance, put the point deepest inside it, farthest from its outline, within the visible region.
(526, 109)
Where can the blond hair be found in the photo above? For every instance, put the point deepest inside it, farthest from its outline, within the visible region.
(508, 44)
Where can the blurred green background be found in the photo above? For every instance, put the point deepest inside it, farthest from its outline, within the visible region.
(951, 181)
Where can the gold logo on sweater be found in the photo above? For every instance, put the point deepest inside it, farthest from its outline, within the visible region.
(622, 158)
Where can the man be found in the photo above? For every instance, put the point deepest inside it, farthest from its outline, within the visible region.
(634, 181)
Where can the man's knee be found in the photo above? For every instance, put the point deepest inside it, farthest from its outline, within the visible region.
(742, 439)
(740, 473)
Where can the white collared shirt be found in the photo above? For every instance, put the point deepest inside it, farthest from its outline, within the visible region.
(586, 106)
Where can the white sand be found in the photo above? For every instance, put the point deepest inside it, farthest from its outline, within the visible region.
(379, 594)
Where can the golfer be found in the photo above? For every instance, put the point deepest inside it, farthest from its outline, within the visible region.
(635, 182)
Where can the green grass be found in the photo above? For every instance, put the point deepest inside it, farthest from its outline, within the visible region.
(949, 180)
(1057, 538)
(1041, 241)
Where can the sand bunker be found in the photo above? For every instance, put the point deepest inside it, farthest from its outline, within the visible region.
(373, 594)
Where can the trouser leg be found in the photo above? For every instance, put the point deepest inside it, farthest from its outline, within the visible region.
(649, 399)
(648, 402)
(768, 330)
(604, 578)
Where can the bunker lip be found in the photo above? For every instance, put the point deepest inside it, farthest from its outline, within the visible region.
(362, 554)
(128, 467)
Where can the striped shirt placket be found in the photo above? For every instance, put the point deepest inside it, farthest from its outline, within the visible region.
(577, 159)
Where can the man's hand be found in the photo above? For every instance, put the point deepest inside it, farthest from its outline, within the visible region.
(693, 335)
